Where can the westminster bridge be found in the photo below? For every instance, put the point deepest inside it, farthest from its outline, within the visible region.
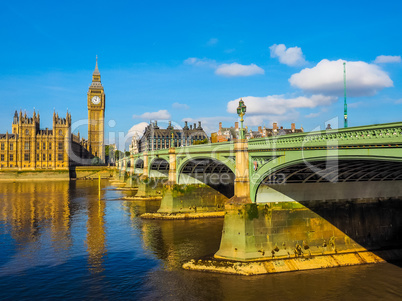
(326, 191)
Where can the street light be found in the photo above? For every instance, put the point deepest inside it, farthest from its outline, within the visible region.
(241, 110)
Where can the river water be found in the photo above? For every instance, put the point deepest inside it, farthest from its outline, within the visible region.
(60, 240)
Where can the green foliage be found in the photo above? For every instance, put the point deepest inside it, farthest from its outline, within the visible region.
(252, 211)
(95, 161)
(205, 141)
(118, 155)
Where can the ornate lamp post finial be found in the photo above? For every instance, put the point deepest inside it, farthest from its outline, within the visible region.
(241, 111)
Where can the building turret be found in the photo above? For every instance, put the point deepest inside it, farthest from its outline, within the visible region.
(15, 119)
(96, 77)
(170, 127)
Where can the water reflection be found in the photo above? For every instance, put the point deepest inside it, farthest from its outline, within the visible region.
(175, 241)
(57, 239)
(39, 218)
(96, 235)
(29, 208)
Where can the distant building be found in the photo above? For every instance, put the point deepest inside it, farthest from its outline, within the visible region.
(29, 147)
(229, 134)
(110, 159)
(155, 138)
(225, 134)
(135, 144)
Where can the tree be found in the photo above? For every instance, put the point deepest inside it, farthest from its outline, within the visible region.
(205, 141)
(95, 161)
(119, 154)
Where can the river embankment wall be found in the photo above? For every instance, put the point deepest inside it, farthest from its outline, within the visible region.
(77, 173)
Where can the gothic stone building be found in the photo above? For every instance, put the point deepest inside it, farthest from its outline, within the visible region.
(29, 147)
(155, 138)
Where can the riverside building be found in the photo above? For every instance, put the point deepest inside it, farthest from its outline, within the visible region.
(30, 147)
(155, 138)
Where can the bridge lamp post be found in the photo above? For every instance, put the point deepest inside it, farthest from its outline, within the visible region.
(241, 110)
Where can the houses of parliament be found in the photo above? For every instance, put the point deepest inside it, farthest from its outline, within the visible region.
(29, 147)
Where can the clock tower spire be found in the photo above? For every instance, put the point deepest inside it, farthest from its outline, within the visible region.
(96, 115)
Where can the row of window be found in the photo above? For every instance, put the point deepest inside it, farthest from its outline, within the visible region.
(26, 146)
(27, 132)
(192, 138)
(11, 146)
(27, 157)
(43, 145)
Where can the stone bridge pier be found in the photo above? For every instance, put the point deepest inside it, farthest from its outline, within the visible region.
(194, 197)
(148, 187)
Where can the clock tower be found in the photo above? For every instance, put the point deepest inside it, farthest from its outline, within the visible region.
(96, 116)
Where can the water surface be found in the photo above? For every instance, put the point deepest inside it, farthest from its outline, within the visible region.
(60, 240)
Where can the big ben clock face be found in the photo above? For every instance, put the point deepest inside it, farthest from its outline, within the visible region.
(96, 100)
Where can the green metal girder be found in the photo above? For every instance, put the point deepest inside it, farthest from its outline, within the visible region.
(372, 142)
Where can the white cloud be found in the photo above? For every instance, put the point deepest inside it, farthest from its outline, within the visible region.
(268, 120)
(293, 56)
(313, 115)
(279, 104)
(200, 62)
(161, 114)
(355, 104)
(398, 101)
(212, 41)
(384, 59)
(137, 129)
(230, 50)
(236, 69)
(231, 70)
(362, 79)
(180, 106)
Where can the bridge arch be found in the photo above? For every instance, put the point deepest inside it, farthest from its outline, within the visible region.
(138, 163)
(337, 169)
(159, 167)
(209, 171)
(138, 166)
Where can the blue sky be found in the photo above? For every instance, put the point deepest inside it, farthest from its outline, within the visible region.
(181, 60)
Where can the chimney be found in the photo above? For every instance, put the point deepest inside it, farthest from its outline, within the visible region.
(260, 129)
(191, 126)
(293, 127)
(220, 126)
(236, 125)
(195, 125)
(199, 125)
(275, 126)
